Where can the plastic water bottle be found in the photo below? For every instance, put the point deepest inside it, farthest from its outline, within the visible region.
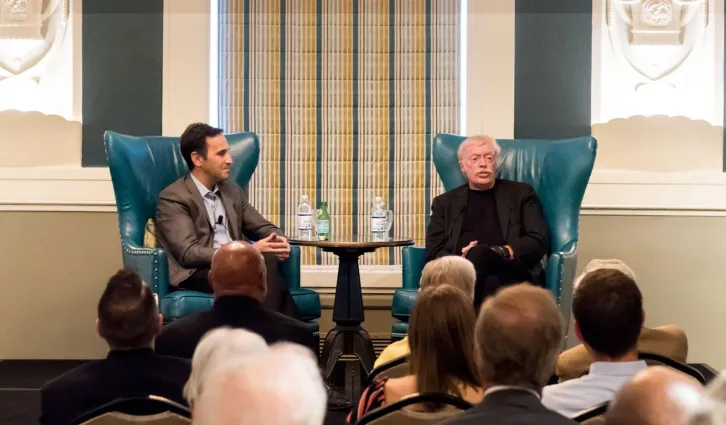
(379, 222)
(305, 218)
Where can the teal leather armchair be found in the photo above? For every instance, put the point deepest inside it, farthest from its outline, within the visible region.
(558, 170)
(141, 167)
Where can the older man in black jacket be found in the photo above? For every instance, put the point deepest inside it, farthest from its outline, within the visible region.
(496, 224)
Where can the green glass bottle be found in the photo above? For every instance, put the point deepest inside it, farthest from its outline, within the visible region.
(323, 222)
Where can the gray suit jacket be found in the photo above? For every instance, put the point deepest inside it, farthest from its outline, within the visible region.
(183, 229)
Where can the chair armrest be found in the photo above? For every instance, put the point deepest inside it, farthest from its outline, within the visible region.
(291, 268)
(560, 278)
(413, 260)
(151, 264)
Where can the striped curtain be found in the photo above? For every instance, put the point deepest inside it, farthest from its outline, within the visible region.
(345, 96)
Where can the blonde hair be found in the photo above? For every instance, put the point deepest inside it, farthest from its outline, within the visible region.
(449, 270)
(478, 141)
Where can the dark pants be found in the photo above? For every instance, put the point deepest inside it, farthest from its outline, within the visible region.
(278, 296)
(493, 272)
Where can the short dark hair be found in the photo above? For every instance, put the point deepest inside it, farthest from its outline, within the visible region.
(608, 308)
(194, 139)
(128, 316)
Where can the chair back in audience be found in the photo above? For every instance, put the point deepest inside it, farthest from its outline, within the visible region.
(115, 418)
(592, 416)
(396, 368)
(400, 413)
(658, 360)
(145, 410)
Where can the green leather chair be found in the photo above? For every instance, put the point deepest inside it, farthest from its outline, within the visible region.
(558, 170)
(141, 167)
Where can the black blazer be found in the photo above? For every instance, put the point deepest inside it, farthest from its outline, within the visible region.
(127, 373)
(510, 407)
(520, 216)
(180, 337)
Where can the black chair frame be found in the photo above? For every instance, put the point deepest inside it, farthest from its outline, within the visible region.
(384, 367)
(681, 367)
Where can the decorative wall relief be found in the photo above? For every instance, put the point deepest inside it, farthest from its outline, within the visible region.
(31, 36)
(656, 36)
(657, 71)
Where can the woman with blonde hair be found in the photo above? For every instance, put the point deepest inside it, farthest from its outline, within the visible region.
(442, 353)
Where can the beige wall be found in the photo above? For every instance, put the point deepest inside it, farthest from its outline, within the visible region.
(56, 263)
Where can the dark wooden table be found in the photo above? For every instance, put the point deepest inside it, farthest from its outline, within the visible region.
(348, 336)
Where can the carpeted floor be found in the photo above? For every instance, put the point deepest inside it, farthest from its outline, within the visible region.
(21, 380)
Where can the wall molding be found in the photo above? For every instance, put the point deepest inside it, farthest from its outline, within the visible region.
(610, 192)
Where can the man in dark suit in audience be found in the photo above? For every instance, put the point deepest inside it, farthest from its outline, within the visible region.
(238, 277)
(496, 224)
(518, 336)
(128, 319)
(204, 210)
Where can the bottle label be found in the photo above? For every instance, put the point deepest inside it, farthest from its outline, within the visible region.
(304, 221)
(378, 224)
(323, 226)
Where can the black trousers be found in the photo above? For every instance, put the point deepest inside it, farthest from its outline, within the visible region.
(493, 272)
(278, 296)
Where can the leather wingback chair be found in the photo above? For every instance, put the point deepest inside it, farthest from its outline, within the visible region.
(558, 170)
(141, 167)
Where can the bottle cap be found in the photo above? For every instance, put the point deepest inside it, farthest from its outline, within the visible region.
(304, 197)
(379, 199)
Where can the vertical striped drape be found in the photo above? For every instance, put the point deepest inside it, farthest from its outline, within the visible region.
(345, 96)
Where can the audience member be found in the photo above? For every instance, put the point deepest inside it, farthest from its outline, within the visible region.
(283, 387)
(667, 340)
(219, 348)
(518, 335)
(442, 353)
(238, 277)
(448, 270)
(713, 410)
(657, 396)
(128, 319)
(608, 311)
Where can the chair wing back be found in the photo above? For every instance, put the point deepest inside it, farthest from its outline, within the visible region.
(141, 167)
(558, 170)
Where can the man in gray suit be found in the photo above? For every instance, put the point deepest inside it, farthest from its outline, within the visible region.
(202, 211)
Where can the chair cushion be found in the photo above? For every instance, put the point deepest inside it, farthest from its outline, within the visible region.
(403, 301)
(398, 331)
(308, 302)
(178, 304)
(150, 234)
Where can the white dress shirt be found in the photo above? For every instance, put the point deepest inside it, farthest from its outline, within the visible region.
(604, 380)
(215, 212)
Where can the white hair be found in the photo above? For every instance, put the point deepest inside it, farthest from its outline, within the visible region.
(449, 269)
(219, 348)
(599, 264)
(283, 387)
(478, 141)
(712, 411)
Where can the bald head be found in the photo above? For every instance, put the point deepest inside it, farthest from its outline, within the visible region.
(656, 396)
(238, 268)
